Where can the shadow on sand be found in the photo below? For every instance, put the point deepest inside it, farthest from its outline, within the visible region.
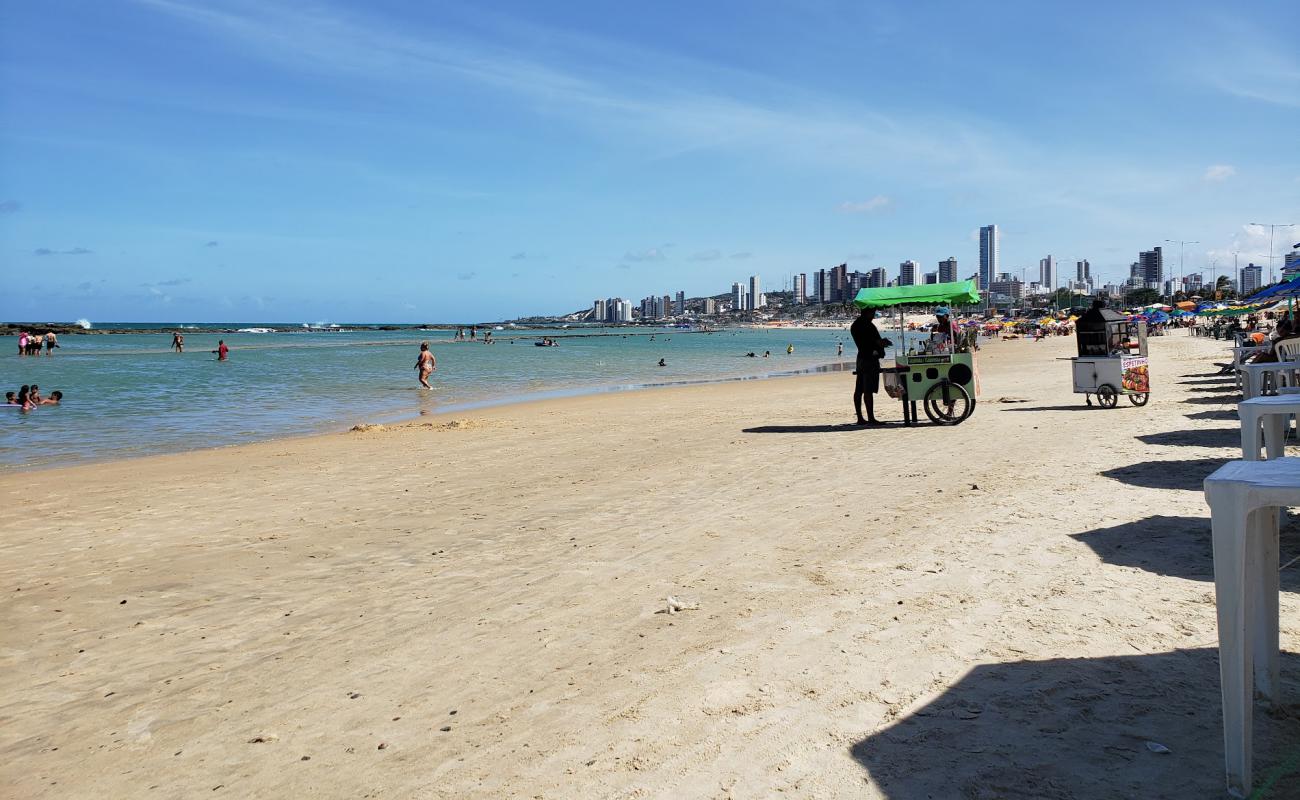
(1218, 398)
(1216, 381)
(1078, 728)
(1081, 407)
(847, 426)
(1180, 547)
(1218, 413)
(1195, 437)
(1188, 474)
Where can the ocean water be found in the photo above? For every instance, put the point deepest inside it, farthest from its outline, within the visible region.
(129, 394)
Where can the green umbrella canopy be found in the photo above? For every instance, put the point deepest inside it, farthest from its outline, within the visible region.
(1231, 312)
(956, 293)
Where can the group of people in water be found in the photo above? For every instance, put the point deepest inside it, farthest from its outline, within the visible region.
(29, 344)
(29, 397)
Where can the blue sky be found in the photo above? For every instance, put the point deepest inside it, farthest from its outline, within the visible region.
(178, 160)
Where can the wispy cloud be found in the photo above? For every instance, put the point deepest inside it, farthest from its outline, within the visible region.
(10, 206)
(1250, 62)
(612, 88)
(75, 251)
(706, 255)
(1219, 173)
(212, 243)
(876, 204)
(742, 256)
(653, 254)
(466, 276)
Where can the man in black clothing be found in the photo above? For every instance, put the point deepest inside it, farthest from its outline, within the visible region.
(871, 348)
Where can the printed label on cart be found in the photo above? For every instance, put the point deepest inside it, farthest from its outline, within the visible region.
(1135, 378)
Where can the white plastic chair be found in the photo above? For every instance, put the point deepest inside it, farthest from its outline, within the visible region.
(1244, 498)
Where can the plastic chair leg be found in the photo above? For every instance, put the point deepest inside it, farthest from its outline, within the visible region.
(1227, 520)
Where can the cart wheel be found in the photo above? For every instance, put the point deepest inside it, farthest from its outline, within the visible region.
(1107, 397)
(948, 403)
(1139, 399)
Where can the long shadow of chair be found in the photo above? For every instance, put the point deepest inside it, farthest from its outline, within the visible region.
(1079, 728)
(1179, 547)
(1188, 474)
(1195, 437)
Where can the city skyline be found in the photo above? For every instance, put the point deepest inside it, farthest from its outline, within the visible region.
(178, 160)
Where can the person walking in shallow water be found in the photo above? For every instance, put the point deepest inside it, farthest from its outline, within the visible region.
(178, 342)
(223, 352)
(425, 364)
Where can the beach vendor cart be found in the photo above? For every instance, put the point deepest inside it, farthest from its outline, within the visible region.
(936, 371)
(1112, 358)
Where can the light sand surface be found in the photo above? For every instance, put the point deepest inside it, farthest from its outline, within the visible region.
(470, 607)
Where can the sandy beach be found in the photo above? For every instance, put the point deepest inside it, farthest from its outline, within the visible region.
(475, 605)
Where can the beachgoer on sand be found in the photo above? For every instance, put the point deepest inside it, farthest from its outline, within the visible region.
(871, 348)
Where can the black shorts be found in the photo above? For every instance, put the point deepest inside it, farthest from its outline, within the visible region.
(868, 376)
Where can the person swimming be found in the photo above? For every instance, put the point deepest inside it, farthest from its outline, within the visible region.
(53, 400)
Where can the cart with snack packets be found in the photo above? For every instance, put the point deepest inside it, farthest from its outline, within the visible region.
(936, 371)
(1112, 359)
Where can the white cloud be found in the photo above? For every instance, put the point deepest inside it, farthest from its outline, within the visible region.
(653, 254)
(875, 204)
(1219, 172)
(707, 255)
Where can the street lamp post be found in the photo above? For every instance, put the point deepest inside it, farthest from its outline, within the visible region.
(1272, 226)
(1180, 243)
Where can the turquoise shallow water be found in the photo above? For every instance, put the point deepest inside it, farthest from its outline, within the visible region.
(128, 394)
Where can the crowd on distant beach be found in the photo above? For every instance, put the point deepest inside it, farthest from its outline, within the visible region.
(29, 344)
(29, 397)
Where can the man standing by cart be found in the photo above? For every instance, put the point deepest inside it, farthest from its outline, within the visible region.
(871, 348)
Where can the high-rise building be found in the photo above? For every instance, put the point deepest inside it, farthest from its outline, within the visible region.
(1193, 282)
(1005, 290)
(1252, 277)
(948, 270)
(681, 303)
(875, 279)
(907, 273)
(988, 255)
(1047, 273)
(755, 294)
(800, 293)
(839, 276)
(710, 305)
(819, 286)
(931, 277)
(618, 310)
(1151, 267)
(1291, 263)
(598, 312)
(1083, 272)
(738, 297)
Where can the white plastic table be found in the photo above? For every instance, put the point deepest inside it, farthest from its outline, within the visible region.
(1245, 498)
(1274, 413)
(1252, 376)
